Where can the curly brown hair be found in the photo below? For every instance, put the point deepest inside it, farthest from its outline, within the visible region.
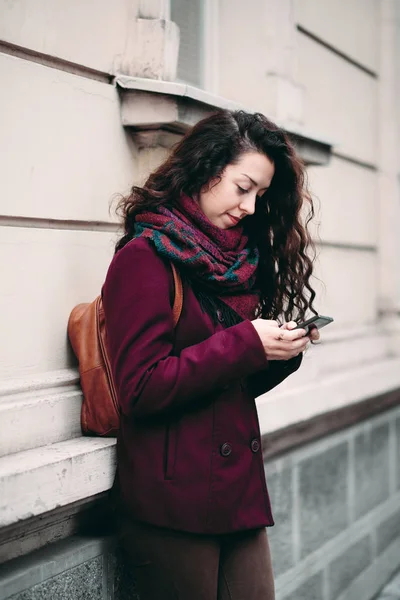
(278, 227)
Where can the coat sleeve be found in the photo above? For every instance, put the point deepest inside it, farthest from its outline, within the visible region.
(139, 323)
(275, 372)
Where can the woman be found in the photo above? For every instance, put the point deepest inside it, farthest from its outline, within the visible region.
(225, 208)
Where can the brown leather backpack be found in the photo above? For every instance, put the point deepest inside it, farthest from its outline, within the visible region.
(88, 337)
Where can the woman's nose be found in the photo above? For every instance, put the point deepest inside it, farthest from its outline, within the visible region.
(248, 204)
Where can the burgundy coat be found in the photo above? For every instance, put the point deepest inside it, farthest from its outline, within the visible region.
(189, 448)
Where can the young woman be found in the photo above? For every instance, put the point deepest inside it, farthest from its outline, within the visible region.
(226, 209)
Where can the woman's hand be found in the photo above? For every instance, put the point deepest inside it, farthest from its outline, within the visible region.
(313, 333)
(281, 343)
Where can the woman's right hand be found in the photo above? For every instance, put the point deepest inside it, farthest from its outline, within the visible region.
(281, 343)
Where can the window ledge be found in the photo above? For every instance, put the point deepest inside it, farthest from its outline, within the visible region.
(156, 110)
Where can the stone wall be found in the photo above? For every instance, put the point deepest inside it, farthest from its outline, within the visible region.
(336, 505)
(337, 512)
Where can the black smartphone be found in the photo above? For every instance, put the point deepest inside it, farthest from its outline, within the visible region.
(317, 321)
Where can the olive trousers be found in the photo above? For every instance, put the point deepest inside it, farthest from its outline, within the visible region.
(172, 565)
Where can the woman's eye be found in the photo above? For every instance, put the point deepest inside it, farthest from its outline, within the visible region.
(242, 190)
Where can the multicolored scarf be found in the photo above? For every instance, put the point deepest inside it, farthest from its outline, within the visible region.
(219, 263)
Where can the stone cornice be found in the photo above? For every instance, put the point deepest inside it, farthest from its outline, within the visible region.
(158, 111)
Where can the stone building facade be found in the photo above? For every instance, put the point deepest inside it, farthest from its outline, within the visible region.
(93, 96)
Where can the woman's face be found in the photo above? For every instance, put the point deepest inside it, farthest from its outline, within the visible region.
(234, 197)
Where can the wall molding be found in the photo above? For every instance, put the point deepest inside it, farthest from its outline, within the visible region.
(326, 383)
(53, 62)
(89, 516)
(356, 161)
(338, 52)
(54, 475)
(60, 224)
(151, 105)
(308, 431)
(347, 246)
(52, 380)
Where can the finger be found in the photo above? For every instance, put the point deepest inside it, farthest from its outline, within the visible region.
(299, 345)
(314, 334)
(290, 335)
(289, 325)
(287, 350)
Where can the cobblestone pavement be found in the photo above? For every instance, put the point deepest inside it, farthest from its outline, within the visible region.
(391, 591)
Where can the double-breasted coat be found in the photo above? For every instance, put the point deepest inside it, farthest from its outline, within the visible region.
(189, 450)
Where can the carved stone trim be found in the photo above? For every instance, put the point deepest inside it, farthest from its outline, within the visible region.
(305, 432)
(154, 105)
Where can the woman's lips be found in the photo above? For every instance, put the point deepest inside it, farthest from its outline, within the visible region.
(234, 220)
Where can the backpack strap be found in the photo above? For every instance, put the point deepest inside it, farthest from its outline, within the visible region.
(178, 299)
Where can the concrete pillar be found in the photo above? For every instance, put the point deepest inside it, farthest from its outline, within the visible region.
(153, 44)
(285, 96)
(389, 168)
(154, 9)
(257, 49)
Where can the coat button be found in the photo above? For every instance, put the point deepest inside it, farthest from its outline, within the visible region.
(226, 449)
(220, 316)
(255, 445)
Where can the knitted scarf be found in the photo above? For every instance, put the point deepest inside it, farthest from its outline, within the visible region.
(219, 264)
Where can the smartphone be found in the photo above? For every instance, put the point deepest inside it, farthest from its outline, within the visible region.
(317, 321)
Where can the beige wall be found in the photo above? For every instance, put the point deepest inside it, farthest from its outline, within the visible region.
(64, 152)
(257, 56)
(69, 153)
(242, 51)
(345, 198)
(267, 62)
(64, 156)
(346, 287)
(350, 26)
(93, 33)
(340, 100)
(44, 273)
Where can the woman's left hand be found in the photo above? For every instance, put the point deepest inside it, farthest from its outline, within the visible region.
(313, 334)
